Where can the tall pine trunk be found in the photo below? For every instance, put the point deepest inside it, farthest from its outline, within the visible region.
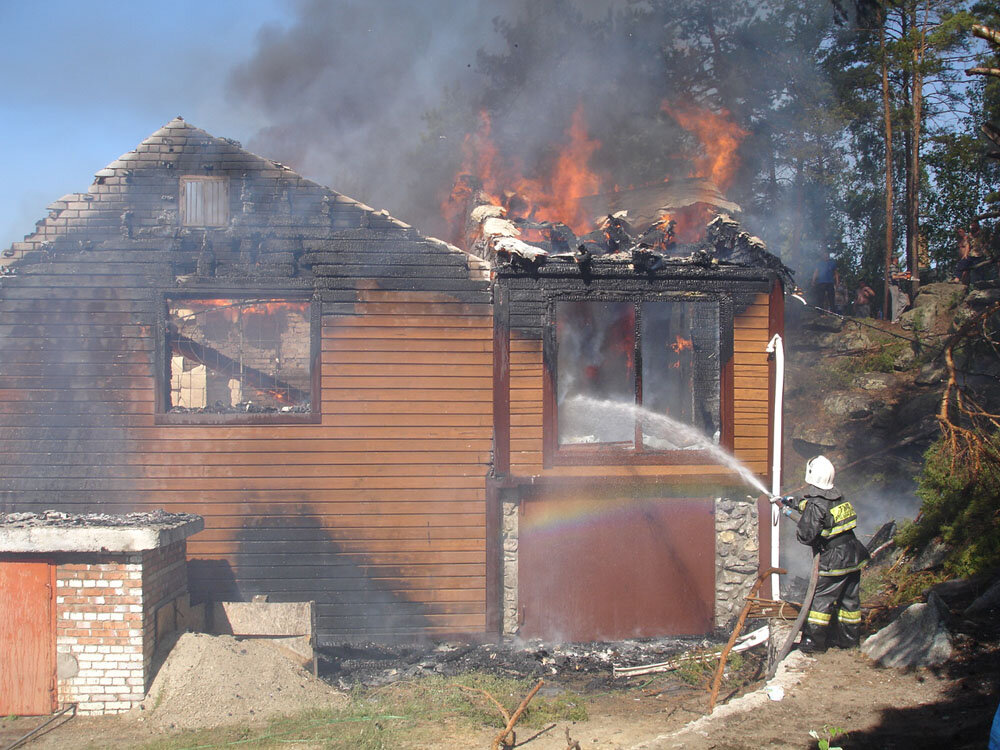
(913, 194)
(887, 116)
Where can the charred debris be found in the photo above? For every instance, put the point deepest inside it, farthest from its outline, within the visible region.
(633, 237)
(381, 664)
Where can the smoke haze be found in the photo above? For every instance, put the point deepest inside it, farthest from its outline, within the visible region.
(376, 98)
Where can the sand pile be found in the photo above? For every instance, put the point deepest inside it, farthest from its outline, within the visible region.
(211, 680)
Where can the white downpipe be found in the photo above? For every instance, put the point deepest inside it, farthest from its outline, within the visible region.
(776, 348)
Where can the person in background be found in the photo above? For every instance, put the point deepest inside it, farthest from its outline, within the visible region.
(899, 300)
(863, 301)
(824, 280)
(827, 526)
(962, 267)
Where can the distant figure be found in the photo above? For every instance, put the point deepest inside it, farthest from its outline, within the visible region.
(824, 279)
(827, 526)
(863, 301)
(899, 300)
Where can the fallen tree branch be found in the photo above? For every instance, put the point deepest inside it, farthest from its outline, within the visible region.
(494, 701)
(717, 680)
(499, 739)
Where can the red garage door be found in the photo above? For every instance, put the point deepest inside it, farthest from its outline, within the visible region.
(612, 568)
(27, 638)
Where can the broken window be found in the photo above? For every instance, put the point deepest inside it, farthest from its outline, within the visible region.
(239, 355)
(204, 201)
(637, 376)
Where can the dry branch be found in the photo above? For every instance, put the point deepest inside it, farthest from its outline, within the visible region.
(499, 739)
(964, 434)
(503, 711)
(736, 632)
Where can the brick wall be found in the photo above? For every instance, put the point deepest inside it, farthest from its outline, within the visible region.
(106, 624)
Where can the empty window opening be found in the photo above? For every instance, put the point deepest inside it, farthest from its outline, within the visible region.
(204, 201)
(661, 356)
(231, 356)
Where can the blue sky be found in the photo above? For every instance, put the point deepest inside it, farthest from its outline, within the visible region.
(83, 82)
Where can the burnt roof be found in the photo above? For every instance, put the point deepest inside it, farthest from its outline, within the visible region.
(135, 198)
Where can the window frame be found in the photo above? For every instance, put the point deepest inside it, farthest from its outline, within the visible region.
(164, 416)
(556, 454)
(184, 181)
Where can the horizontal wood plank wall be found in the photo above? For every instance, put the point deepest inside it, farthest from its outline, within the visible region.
(527, 370)
(750, 383)
(417, 385)
(377, 512)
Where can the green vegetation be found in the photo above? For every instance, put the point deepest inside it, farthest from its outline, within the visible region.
(960, 502)
(377, 718)
(826, 736)
(878, 358)
(897, 586)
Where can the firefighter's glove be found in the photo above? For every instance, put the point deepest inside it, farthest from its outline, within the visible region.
(789, 502)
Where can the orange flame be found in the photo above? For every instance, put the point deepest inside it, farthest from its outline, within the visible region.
(720, 139)
(549, 196)
(681, 343)
(232, 308)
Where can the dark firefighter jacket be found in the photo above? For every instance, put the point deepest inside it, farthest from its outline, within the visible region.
(827, 525)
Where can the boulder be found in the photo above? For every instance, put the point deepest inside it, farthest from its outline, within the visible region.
(913, 410)
(882, 418)
(873, 381)
(941, 294)
(917, 638)
(815, 436)
(918, 319)
(931, 374)
(932, 556)
(852, 405)
(904, 360)
(822, 321)
(988, 601)
(980, 298)
(850, 341)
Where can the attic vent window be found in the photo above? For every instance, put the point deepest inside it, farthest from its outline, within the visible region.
(204, 201)
(239, 356)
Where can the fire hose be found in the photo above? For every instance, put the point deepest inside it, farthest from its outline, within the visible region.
(806, 601)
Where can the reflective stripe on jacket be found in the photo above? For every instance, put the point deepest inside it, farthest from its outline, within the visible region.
(827, 525)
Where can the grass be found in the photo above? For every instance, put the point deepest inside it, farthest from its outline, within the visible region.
(381, 718)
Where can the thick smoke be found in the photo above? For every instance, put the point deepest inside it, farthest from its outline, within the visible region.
(375, 99)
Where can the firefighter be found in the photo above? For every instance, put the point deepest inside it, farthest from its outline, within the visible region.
(827, 526)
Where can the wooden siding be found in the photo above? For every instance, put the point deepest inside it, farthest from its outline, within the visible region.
(751, 385)
(377, 511)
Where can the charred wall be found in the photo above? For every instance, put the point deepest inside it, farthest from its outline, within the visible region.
(373, 504)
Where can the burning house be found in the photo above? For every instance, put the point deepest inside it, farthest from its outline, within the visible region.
(518, 437)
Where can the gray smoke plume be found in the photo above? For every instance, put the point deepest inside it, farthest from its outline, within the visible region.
(376, 97)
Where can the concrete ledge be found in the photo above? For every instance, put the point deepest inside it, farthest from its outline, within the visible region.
(63, 532)
(289, 625)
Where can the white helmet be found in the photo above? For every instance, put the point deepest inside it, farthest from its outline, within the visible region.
(819, 472)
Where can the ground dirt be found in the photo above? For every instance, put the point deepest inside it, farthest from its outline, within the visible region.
(949, 707)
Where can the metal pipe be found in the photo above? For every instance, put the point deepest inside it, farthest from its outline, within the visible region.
(21, 740)
(777, 349)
